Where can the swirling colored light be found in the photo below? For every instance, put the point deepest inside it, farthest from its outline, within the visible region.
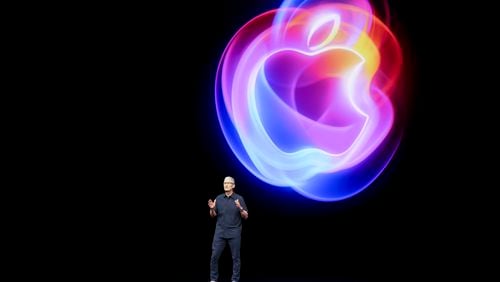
(305, 97)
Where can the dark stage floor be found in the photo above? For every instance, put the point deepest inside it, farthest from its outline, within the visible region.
(284, 279)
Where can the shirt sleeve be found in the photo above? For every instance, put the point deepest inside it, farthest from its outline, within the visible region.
(243, 204)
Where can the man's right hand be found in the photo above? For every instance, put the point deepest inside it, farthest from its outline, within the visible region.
(211, 204)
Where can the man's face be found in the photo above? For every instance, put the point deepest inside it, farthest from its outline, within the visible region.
(228, 184)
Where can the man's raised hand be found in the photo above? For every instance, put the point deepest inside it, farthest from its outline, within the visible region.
(211, 204)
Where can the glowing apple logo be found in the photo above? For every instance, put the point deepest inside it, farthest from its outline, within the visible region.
(306, 98)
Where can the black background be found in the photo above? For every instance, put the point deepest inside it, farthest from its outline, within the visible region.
(162, 157)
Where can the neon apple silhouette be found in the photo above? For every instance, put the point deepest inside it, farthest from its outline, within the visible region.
(306, 98)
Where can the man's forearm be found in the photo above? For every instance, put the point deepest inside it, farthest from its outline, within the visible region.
(244, 214)
(213, 213)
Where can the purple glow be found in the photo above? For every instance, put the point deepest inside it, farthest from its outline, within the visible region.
(305, 97)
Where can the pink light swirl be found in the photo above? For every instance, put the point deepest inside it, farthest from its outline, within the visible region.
(306, 97)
